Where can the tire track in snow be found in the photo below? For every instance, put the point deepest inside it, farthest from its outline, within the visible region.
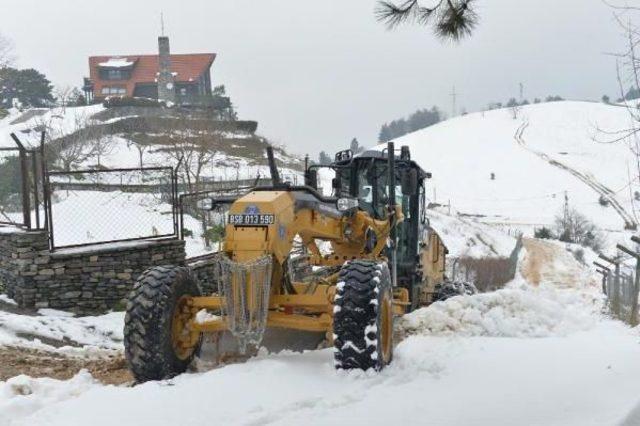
(606, 193)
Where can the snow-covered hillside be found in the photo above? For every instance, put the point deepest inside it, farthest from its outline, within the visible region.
(239, 156)
(550, 149)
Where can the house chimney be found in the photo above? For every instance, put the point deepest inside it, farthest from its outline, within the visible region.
(166, 88)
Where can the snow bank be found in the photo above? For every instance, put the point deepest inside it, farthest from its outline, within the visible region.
(468, 237)
(22, 395)
(511, 312)
(56, 330)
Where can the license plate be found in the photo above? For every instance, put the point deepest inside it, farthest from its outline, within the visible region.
(252, 219)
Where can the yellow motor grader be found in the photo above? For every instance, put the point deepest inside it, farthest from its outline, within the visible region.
(371, 256)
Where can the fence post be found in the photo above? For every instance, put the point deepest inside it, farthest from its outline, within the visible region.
(24, 176)
(616, 283)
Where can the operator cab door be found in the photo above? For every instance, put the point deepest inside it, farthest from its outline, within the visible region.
(370, 187)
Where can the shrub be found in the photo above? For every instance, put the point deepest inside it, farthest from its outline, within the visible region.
(543, 233)
(603, 201)
(125, 101)
(576, 228)
(487, 273)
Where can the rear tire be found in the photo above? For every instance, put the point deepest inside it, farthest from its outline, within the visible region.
(153, 315)
(449, 289)
(363, 316)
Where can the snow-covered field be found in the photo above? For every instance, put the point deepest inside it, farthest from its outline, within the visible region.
(527, 190)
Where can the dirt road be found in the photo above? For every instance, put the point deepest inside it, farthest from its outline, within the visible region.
(551, 263)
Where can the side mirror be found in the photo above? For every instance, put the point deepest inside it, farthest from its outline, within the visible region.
(409, 182)
(311, 178)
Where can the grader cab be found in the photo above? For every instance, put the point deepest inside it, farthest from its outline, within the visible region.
(369, 253)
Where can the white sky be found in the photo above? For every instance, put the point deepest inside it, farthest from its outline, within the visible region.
(314, 74)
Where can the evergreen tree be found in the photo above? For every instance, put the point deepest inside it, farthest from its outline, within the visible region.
(605, 99)
(324, 159)
(28, 86)
(512, 103)
(355, 146)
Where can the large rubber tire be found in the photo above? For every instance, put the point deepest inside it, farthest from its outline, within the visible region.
(148, 342)
(449, 289)
(363, 316)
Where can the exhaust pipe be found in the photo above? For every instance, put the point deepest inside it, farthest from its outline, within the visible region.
(275, 176)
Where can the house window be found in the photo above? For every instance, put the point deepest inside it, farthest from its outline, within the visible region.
(114, 90)
(183, 92)
(115, 74)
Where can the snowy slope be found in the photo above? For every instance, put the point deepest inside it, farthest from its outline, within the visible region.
(463, 152)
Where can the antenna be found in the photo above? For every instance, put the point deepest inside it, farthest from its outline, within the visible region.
(162, 24)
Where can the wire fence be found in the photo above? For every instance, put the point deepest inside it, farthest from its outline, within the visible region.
(622, 296)
(110, 206)
(20, 185)
(621, 282)
(10, 187)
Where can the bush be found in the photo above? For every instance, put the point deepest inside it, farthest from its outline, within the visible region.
(129, 101)
(488, 273)
(576, 228)
(603, 201)
(543, 233)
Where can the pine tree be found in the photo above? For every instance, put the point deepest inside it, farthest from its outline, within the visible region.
(28, 86)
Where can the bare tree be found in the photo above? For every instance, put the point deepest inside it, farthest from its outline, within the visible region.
(450, 19)
(140, 147)
(6, 52)
(575, 228)
(78, 143)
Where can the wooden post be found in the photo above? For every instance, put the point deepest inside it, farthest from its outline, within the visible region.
(636, 284)
(24, 177)
(616, 284)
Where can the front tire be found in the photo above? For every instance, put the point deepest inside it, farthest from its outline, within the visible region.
(157, 344)
(363, 316)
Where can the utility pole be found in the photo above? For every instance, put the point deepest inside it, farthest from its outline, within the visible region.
(565, 212)
(521, 92)
(453, 95)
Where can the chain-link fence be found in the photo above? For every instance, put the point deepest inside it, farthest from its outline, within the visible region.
(21, 186)
(10, 187)
(620, 282)
(622, 296)
(107, 206)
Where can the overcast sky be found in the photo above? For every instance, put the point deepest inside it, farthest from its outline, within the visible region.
(315, 74)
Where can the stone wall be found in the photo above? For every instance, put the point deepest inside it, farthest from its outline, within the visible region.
(86, 279)
(206, 271)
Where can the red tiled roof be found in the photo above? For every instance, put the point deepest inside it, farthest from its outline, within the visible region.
(186, 68)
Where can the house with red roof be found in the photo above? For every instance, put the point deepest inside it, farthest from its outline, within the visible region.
(175, 78)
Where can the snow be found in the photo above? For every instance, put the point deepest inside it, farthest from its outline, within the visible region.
(63, 121)
(517, 311)
(527, 191)
(530, 355)
(466, 237)
(73, 335)
(22, 395)
(117, 63)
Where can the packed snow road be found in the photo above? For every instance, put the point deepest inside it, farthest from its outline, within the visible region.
(528, 354)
